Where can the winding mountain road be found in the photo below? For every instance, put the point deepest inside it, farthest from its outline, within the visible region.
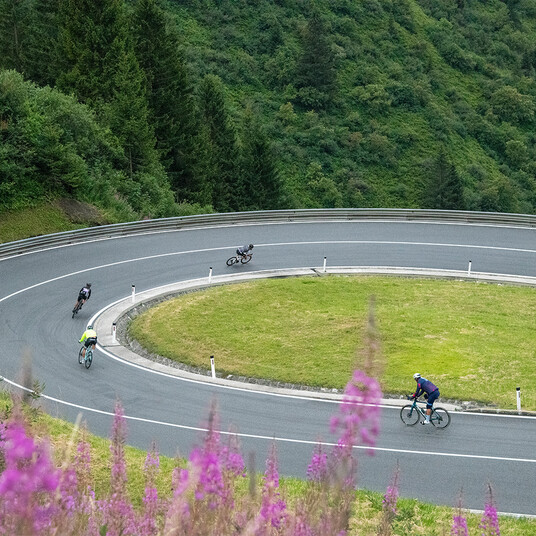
(37, 291)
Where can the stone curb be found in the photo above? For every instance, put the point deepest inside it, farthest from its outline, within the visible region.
(120, 313)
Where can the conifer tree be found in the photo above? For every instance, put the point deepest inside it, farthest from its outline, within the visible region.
(41, 45)
(226, 184)
(445, 187)
(102, 71)
(13, 23)
(316, 76)
(170, 98)
(262, 182)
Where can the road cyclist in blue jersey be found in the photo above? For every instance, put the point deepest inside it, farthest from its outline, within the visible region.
(430, 391)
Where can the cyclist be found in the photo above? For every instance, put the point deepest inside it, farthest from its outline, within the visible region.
(243, 250)
(89, 338)
(431, 393)
(83, 296)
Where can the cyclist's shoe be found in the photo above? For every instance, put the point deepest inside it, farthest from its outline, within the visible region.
(425, 422)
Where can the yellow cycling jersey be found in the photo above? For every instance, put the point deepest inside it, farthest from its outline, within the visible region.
(88, 334)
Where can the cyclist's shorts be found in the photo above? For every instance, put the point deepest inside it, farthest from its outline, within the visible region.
(90, 341)
(432, 397)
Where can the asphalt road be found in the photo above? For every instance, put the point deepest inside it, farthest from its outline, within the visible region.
(38, 290)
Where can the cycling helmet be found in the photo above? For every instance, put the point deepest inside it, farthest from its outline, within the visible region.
(88, 285)
(416, 376)
(251, 246)
(90, 326)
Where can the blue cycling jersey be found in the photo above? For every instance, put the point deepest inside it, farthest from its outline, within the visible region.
(424, 386)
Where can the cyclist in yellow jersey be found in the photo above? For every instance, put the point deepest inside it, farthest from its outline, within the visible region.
(89, 338)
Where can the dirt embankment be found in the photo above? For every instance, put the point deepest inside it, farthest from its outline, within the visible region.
(79, 212)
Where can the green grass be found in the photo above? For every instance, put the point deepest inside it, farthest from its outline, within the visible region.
(35, 221)
(474, 340)
(413, 517)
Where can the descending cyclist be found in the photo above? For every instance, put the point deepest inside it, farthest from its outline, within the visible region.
(432, 393)
(83, 296)
(89, 338)
(243, 250)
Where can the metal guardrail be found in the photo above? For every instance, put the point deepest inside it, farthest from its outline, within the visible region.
(234, 218)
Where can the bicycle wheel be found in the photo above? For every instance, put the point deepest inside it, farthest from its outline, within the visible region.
(440, 418)
(409, 415)
(246, 258)
(89, 357)
(77, 308)
(231, 261)
(80, 356)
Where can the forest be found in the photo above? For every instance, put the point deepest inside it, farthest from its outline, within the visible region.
(153, 108)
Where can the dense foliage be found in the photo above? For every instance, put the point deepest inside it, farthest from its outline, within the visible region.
(237, 105)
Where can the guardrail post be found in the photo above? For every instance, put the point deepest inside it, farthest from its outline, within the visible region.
(212, 367)
(469, 269)
(114, 329)
(210, 274)
(133, 293)
(324, 267)
(518, 397)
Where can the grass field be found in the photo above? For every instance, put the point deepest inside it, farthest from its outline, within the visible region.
(474, 340)
(34, 221)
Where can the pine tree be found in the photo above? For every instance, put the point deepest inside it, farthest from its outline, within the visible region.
(92, 38)
(226, 184)
(170, 99)
(13, 25)
(41, 46)
(262, 182)
(102, 71)
(316, 76)
(445, 188)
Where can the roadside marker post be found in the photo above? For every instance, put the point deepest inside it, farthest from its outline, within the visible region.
(114, 329)
(469, 269)
(133, 293)
(324, 267)
(210, 275)
(212, 367)
(518, 397)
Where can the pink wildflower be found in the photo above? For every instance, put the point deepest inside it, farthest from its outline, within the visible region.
(490, 521)
(359, 412)
(459, 526)
(27, 484)
(272, 512)
(316, 471)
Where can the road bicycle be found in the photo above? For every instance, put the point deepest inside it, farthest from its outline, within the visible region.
(244, 259)
(88, 359)
(77, 307)
(411, 414)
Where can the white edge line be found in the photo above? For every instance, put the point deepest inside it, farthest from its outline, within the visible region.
(275, 438)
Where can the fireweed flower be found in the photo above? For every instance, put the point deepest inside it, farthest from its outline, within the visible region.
(359, 416)
(27, 484)
(148, 525)
(117, 511)
(316, 470)
(459, 526)
(490, 521)
(273, 508)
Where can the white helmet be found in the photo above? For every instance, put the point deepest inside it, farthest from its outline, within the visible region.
(416, 376)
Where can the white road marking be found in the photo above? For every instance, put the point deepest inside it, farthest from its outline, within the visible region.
(276, 438)
(274, 244)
